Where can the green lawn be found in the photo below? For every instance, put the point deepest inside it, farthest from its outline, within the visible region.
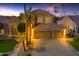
(75, 44)
(7, 45)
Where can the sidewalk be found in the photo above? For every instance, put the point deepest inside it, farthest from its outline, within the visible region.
(16, 50)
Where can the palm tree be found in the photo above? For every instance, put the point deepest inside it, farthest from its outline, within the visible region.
(28, 22)
(30, 16)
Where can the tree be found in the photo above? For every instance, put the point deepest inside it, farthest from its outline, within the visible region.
(55, 19)
(30, 20)
(21, 28)
(30, 17)
(1, 25)
(56, 10)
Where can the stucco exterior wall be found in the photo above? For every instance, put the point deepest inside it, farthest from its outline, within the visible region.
(49, 19)
(67, 22)
(45, 19)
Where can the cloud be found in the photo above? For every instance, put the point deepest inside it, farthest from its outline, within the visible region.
(55, 4)
(8, 12)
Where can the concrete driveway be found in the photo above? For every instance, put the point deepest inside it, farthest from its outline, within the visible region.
(58, 47)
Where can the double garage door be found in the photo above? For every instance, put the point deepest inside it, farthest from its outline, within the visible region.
(42, 34)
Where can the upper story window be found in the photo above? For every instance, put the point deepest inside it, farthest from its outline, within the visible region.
(40, 20)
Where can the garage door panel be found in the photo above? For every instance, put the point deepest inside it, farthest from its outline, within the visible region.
(42, 34)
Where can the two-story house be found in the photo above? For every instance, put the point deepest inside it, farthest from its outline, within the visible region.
(46, 28)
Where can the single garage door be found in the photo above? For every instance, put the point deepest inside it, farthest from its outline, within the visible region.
(42, 34)
(58, 34)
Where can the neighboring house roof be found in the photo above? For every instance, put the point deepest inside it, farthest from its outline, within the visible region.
(12, 19)
(3, 20)
(75, 19)
(48, 27)
(8, 19)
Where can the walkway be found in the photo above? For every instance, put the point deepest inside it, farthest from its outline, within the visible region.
(16, 50)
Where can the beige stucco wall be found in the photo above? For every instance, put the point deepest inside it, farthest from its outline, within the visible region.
(49, 19)
(67, 22)
(45, 19)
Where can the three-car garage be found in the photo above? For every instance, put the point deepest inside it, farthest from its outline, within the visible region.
(48, 31)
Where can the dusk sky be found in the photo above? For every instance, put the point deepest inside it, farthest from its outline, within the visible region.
(15, 9)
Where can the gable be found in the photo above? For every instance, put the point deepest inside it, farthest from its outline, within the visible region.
(75, 19)
(67, 22)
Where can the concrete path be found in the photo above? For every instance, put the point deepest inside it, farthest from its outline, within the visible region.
(53, 48)
(16, 50)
